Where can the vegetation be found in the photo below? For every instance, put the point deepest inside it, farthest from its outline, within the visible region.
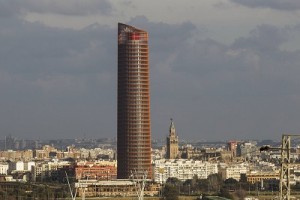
(215, 186)
(24, 191)
(170, 192)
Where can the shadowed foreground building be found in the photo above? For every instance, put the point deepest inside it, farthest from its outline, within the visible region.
(134, 131)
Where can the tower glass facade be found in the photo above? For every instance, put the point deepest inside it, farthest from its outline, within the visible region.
(134, 130)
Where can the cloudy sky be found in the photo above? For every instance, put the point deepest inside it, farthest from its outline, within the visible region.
(222, 69)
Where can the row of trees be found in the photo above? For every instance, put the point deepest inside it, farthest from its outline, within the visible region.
(214, 185)
(24, 191)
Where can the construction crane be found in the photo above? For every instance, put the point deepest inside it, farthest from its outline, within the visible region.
(285, 187)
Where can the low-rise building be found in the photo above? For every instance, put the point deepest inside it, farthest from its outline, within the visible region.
(98, 170)
(54, 170)
(232, 170)
(15, 166)
(11, 155)
(182, 169)
(4, 168)
(124, 188)
(259, 176)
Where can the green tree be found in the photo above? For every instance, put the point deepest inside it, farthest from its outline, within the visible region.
(231, 184)
(241, 194)
(173, 181)
(202, 185)
(170, 192)
(215, 182)
(225, 193)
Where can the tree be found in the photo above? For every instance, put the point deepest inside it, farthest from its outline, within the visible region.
(173, 181)
(231, 184)
(241, 194)
(170, 192)
(202, 184)
(225, 193)
(215, 182)
(231, 181)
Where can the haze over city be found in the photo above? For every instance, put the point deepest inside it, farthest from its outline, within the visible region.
(222, 69)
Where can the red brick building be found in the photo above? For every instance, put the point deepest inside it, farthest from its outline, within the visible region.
(96, 170)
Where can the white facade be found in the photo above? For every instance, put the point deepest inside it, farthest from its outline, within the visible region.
(30, 165)
(4, 168)
(16, 166)
(20, 166)
(248, 149)
(93, 153)
(233, 171)
(182, 169)
(47, 169)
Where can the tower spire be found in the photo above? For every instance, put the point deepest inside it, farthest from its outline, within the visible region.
(172, 126)
(172, 142)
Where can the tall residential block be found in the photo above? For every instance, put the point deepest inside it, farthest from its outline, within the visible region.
(134, 130)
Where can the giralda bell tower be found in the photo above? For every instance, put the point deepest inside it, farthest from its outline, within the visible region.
(134, 130)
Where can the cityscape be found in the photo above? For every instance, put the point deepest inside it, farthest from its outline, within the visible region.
(232, 169)
(181, 100)
(133, 165)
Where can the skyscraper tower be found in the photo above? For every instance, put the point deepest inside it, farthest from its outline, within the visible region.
(134, 131)
(172, 143)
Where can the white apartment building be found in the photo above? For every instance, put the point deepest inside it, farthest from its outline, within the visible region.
(233, 171)
(47, 169)
(94, 153)
(16, 166)
(29, 165)
(182, 169)
(20, 166)
(248, 150)
(4, 168)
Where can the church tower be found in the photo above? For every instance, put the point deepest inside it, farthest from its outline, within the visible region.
(172, 143)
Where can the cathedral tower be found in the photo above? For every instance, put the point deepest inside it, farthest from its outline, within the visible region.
(172, 143)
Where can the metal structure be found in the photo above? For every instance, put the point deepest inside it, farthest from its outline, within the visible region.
(134, 134)
(285, 187)
(73, 196)
(286, 164)
(139, 182)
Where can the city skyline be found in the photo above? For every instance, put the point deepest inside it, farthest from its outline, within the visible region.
(223, 69)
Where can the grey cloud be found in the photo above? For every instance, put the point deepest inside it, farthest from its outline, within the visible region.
(241, 89)
(273, 4)
(52, 67)
(55, 72)
(48, 50)
(264, 37)
(255, 63)
(169, 38)
(66, 7)
(62, 82)
(8, 9)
